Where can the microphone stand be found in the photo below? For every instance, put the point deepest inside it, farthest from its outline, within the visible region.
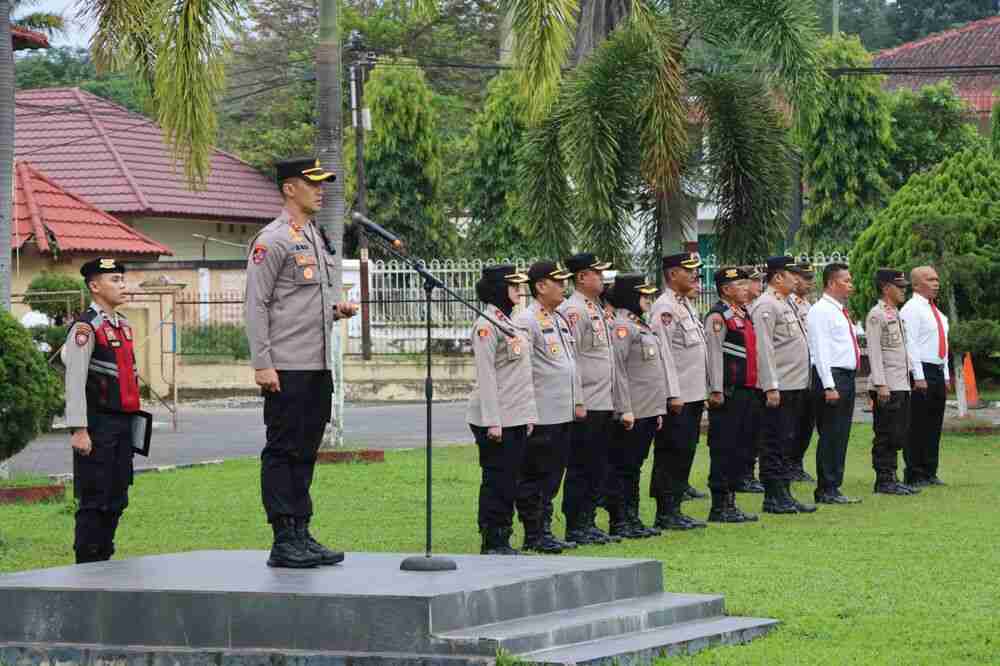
(427, 561)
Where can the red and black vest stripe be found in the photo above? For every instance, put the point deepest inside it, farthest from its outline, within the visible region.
(112, 378)
(739, 348)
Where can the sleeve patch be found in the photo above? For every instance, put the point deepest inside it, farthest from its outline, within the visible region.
(81, 335)
(259, 253)
(483, 332)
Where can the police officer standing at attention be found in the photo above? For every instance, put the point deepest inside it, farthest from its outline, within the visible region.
(836, 357)
(783, 376)
(673, 318)
(558, 401)
(644, 394)
(889, 382)
(749, 483)
(733, 399)
(102, 391)
(927, 327)
(290, 309)
(591, 438)
(501, 409)
(801, 301)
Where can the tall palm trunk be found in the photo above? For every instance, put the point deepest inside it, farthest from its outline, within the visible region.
(329, 148)
(6, 151)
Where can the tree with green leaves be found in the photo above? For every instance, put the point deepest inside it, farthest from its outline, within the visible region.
(489, 172)
(611, 143)
(403, 160)
(74, 67)
(913, 19)
(868, 19)
(928, 127)
(995, 130)
(846, 147)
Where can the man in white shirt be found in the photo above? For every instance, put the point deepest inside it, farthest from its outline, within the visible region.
(835, 357)
(927, 332)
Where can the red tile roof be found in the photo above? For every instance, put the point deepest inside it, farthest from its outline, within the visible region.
(117, 160)
(976, 43)
(57, 220)
(22, 39)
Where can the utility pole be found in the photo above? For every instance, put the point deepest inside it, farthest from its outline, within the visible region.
(331, 216)
(836, 18)
(6, 151)
(359, 74)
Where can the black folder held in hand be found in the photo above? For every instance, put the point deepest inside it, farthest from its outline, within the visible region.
(142, 430)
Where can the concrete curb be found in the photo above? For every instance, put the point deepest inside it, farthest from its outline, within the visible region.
(159, 468)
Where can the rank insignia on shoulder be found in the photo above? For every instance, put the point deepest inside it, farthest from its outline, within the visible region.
(621, 331)
(483, 332)
(259, 253)
(81, 335)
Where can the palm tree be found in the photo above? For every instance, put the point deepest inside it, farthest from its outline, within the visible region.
(612, 136)
(44, 22)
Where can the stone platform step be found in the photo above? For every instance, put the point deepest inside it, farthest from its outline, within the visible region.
(643, 647)
(588, 623)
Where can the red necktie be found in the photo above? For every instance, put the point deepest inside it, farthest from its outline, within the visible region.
(942, 341)
(854, 340)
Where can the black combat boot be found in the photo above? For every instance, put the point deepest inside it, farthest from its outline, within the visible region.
(774, 498)
(750, 485)
(535, 539)
(719, 513)
(620, 526)
(547, 529)
(668, 513)
(326, 556)
(692, 493)
(799, 506)
(887, 484)
(496, 541)
(288, 551)
(743, 517)
(578, 532)
(632, 512)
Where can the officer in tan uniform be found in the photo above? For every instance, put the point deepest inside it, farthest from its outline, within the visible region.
(558, 400)
(801, 300)
(591, 438)
(102, 390)
(291, 306)
(643, 364)
(501, 409)
(674, 319)
(755, 286)
(889, 382)
(783, 376)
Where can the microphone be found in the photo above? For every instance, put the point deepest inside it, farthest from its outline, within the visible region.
(373, 228)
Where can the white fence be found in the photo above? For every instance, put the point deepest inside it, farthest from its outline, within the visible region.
(397, 302)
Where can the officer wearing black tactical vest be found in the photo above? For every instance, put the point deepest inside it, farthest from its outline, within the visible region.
(102, 394)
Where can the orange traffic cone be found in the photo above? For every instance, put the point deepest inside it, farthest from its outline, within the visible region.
(971, 392)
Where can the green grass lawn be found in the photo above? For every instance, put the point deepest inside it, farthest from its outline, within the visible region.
(890, 581)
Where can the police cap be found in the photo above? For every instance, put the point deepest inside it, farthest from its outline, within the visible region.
(101, 265)
(503, 273)
(586, 261)
(552, 270)
(308, 168)
(728, 274)
(688, 260)
(890, 276)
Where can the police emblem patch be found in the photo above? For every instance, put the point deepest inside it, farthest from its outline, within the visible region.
(259, 252)
(82, 335)
(621, 331)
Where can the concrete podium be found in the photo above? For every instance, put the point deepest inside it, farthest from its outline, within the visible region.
(227, 607)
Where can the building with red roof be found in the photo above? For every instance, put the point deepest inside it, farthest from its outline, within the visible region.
(118, 161)
(23, 39)
(56, 230)
(954, 55)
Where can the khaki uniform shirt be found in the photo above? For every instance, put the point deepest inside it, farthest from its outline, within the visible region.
(782, 347)
(290, 301)
(673, 318)
(596, 361)
(887, 348)
(504, 394)
(557, 385)
(640, 357)
(800, 307)
(76, 359)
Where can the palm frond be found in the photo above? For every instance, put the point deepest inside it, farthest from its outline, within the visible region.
(748, 164)
(543, 32)
(189, 78)
(783, 32)
(543, 207)
(46, 22)
(123, 38)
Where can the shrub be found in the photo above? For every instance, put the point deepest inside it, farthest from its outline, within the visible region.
(58, 307)
(54, 335)
(216, 339)
(30, 391)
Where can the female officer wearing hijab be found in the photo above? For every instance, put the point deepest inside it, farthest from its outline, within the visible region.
(501, 410)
